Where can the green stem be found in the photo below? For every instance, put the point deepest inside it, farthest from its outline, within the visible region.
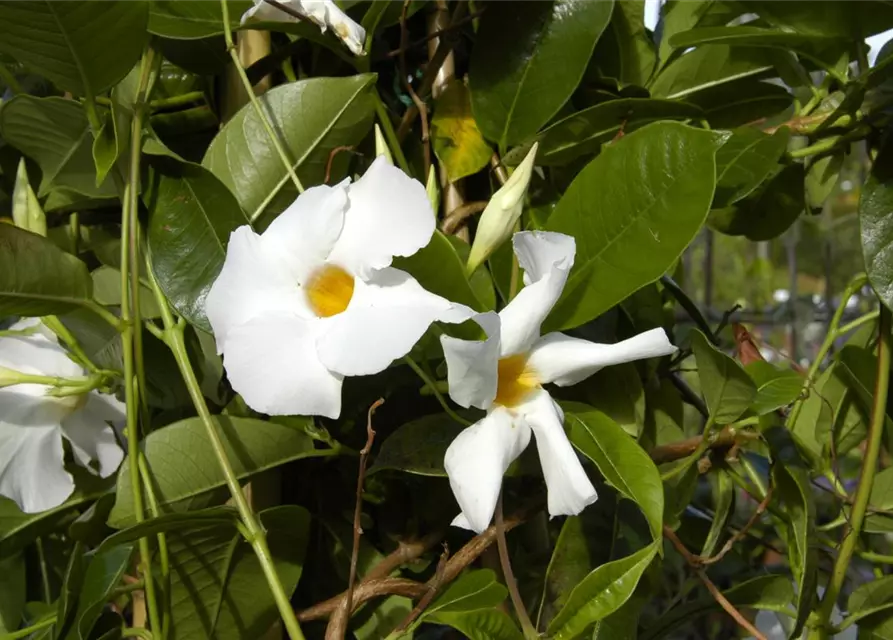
(249, 89)
(177, 101)
(133, 632)
(9, 78)
(387, 128)
(858, 322)
(853, 529)
(833, 334)
(823, 145)
(703, 445)
(175, 339)
(27, 631)
(163, 555)
(103, 313)
(431, 384)
(44, 573)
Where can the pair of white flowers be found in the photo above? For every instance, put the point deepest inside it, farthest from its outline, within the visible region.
(314, 299)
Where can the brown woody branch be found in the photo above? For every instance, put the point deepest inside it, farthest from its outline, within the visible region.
(725, 439)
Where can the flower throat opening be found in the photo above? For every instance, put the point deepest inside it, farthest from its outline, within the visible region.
(515, 380)
(329, 290)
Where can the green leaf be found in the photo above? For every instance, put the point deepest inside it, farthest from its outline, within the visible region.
(191, 216)
(727, 388)
(440, 268)
(81, 47)
(858, 370)
(617, 392)
(103, 574)
(767, 592)
(621, 460)
(724, 504)
(218, 588)
(709, 66)
(776, 388)
(313, 118)
(682, 15)
(37, 278)
(740, 102)
(192, 19)
(627, 236)
(72, 580)
(107, 291)
(418, 446)
(455, 136)
(12, 592)
(821, 178)
(793, 487)
(746, 159)
(528, 59)
(625, 52)
(876, 224)
(601, 593)
(213, 517)
(185, 468)
(54, 132)
(823, 50)
(584, 132)
(487, 624)
(870, 598)
(854, 19)
(474, 590)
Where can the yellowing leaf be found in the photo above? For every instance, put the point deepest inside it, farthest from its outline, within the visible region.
(458, 142)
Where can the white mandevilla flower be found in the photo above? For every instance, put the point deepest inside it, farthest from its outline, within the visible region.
(314, 298)
(324, 13)
(33, 424)
(504, 375)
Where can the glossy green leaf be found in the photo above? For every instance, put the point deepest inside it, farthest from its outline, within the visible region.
(54, 132)
(681, 15)
(621, 460)
(876, 224)
(455, 137)
(313, 117)
(709, 66)
(418, 446)
(841, 18)
(723, 490)
(776, 388)
(192, 19)
(103, 574)
(184, 467)
(627, 236)
(191, 216)
(746, 159)
(623, 624)
(82, 47)
(767, 592)
(37, 278)
(823, 50)
(440, 268)
(584, 132)
(218, 588)
(472, 591)
(485, 624)
(727, 388)
(791, 478)
(625, 52)
(12, 592)
(528, 60)
(601, 593)
(740, 102)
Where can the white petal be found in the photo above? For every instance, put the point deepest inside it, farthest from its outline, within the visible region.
(31, 466)
(478, 458)
(348, 31)
(546, 258)
(272, 363)
(36, 354)
(569, 490)
(92, 439)
(263, 10)
(387, 315)
(324, 13)
(472, 365)
(388, 215)
(462, 522)
(251, 284)
(565, 360)
(106, 407)
(302, 236)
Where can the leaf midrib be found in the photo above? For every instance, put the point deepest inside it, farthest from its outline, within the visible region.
(88, 91)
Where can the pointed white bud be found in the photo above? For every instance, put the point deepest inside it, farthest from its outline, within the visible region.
(381, 146)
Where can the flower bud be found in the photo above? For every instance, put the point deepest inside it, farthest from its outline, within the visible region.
(381, 146)
(433, 190)
(27, 213)
(502, 212)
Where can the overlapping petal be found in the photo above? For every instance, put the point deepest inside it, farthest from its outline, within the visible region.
(324, 13)
(92, 439)
(272, 362)
(32, 472)
(546, 258)
(472, 365)
(565, 360)
(476, 461)
(569, 489)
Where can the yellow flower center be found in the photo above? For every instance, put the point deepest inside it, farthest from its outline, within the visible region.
(515, 380)
(329, 290)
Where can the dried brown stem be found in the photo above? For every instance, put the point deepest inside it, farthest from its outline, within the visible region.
(338, 623)
(509, 576)
(761, 508)
(435, 34)
(433, 587)
(457, 216)
(693, 562)
(334, 152)
(725, 439)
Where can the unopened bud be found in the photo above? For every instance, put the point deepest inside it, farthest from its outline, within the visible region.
(381, 146)
(27, 213)
(502, 212)
(433, 190)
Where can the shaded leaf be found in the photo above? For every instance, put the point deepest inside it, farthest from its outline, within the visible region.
(418, 446)
(485, 624)
(876, 224)
(746, 159)
(12, 592)
(707, 67)
(193, 19)
(103, 574)
(740, 102)
(474, 590)
(776, 388)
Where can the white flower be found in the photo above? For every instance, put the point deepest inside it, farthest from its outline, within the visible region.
(32, 423)
(324, 13)
(314, 299)
(504, 374)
